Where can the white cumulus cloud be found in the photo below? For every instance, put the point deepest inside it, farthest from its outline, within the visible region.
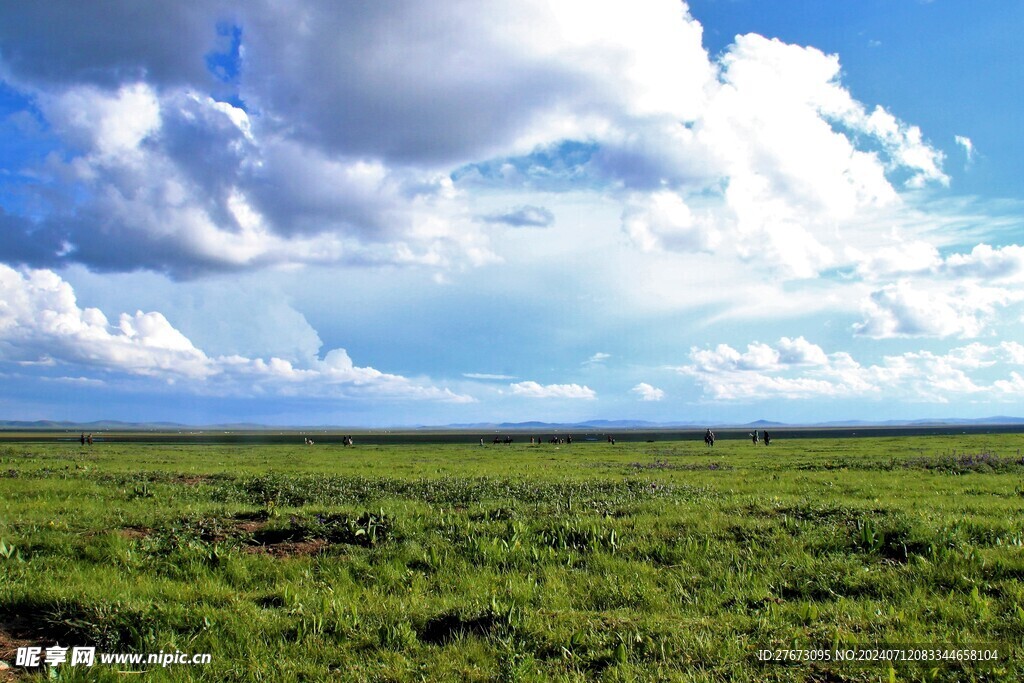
(568, 391)
(42, 323)
(725, 373)
(662, 220)
(40, 319)
(646, 392)
(904, 309)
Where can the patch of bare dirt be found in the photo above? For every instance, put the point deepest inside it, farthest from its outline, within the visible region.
(135, 533)
(249, 527)
(252, 529)
(9, 645)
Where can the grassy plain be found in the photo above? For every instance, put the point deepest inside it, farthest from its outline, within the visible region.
(635, 562)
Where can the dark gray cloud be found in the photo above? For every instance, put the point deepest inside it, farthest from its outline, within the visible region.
(25, 242)
(104, 243)
(357, 131)
(522, 217)
(204, 144)
(347, 120)
(350, 109)
(65, 42)
(401, 81)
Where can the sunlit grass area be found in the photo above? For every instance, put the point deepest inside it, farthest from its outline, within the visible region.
(638, 561)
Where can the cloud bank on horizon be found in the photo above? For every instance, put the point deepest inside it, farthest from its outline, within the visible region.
(592, 168)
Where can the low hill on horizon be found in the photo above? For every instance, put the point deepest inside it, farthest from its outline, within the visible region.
(532, 425)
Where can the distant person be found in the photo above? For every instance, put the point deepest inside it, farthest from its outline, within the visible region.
(88, 439)
(767, 439)
(83, 438)
(481, 441)
(753, 437)
(709, 438)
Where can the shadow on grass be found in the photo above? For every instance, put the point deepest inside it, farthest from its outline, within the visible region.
(108, 626)
(452, 626)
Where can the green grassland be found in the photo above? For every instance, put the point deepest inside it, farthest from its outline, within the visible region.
(634, 562)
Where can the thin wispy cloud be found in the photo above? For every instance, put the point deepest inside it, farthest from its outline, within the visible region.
(968, 147)
(522, 217)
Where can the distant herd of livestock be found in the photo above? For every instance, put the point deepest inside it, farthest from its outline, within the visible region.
(709, 439)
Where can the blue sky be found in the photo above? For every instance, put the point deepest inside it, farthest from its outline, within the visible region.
(418, 214)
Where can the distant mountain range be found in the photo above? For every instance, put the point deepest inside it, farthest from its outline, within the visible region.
(599, 425)
(937, 422)
(757, 424)
(594, 424)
